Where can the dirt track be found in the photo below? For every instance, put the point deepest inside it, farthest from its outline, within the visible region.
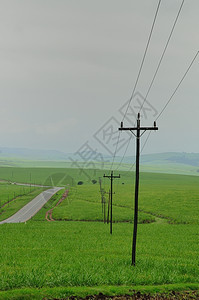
(50, 211)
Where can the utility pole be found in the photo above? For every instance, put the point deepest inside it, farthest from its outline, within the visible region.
(103, 201)
(139, 132)
(109, 200)
(111, 177)
(101, 191)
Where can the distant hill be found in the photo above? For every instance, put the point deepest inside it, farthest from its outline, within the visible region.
(32, 154)
(191, 159)
(170, 162)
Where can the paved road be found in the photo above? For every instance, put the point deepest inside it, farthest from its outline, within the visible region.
(30, 209)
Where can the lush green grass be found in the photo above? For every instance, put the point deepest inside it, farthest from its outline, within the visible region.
(85, 254)
(53, 255)
(172, 163)
(80, 207)
(85, 291)
(48, 176)
(92, 211)
(172, 197)
(175, 197)
(10, 191)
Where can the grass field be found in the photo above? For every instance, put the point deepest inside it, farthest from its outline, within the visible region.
(64, 257)
(69, 254)
(10, 191)
(171, 163)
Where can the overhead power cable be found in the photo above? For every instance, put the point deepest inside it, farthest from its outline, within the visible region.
(167, 103)
(182, 79)
(138, 76)
(124, 153)
(157, 69)
(143, 59)
(162, 56)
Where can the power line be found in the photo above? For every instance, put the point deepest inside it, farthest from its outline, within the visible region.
(116, 147)
(158, 67)
(162, 56)
(131, 168)
(138, 76)
(183, 77)
(143, 59)
(167, 103)
(124, 154)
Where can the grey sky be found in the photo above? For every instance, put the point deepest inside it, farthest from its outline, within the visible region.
(68, 66)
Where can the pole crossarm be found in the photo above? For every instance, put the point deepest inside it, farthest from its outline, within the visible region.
(111, 176)
(141, 128)
(131, 129)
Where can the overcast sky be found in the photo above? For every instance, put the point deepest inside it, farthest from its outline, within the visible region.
(67, 67)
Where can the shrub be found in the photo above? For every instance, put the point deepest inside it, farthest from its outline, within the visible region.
(80, 182)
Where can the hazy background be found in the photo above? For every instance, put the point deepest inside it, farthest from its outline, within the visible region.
(67, 67)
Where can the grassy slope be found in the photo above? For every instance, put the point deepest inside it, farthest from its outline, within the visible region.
(10, 191)
(156, 191)
(173, 197)
(47, 176)
(149, 163)
(80, 207)
(86, 255)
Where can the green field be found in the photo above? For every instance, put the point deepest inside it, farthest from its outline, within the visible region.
(77, 255)
(171, 163)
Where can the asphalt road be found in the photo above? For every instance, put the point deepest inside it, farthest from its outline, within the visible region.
(30, 209)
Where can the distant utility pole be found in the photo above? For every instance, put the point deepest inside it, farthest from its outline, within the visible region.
(109, 200)
(103, 201)
(104, 208)
(101, 191)
(111, 177)
(138, 135)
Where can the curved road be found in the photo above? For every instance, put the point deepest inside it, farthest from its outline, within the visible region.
(30, 209)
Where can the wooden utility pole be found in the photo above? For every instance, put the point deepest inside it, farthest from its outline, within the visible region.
(109, 200)
(111, 177)
(103, 201)
(139, 132)
(101, 191)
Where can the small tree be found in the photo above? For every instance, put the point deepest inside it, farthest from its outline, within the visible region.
(80, 182)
